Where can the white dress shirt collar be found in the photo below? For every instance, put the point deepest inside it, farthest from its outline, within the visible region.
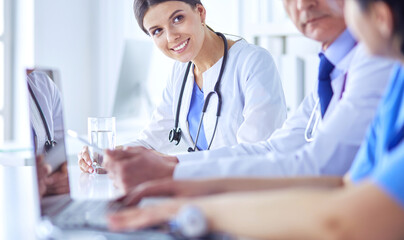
(340, 47)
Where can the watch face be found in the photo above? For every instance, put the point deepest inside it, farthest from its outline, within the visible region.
(191, 222)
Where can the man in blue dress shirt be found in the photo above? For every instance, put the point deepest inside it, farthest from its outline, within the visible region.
(369, 204)
(321, 138)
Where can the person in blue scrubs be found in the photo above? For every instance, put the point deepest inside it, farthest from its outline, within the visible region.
(381, 158)
(194, 114)
(367, 204)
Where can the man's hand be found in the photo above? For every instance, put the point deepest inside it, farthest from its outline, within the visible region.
(58, 182)
(132, 166)
(53, 184)
(43, 171)
(173, 188)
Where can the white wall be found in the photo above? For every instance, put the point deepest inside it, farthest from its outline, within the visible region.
(223, 15)
(266, 23)
(65, 39)
(84, 41)
(109, 45)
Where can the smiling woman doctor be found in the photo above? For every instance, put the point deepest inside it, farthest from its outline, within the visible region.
(221, 92)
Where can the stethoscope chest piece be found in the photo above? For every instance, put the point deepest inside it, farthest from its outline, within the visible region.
(49, 144)
(175, 135)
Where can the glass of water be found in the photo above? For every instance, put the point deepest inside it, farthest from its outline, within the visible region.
(101, 132)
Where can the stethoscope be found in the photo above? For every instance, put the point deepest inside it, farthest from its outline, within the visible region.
(49, 143)
(314, 119)
(315, 116)
(175, 133)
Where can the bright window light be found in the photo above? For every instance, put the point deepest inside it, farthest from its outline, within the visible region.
(1, 17)
(1, 76)
(1, 130)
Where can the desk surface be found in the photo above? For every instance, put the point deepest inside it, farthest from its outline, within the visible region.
(90, 186)
(19, 203)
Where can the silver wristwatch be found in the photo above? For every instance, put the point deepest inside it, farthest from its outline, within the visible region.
(191, 222)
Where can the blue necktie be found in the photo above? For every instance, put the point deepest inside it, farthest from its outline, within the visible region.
(324, 83)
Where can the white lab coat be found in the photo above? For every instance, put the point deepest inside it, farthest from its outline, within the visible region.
(48, 97)
(253, 103)
(287, 153)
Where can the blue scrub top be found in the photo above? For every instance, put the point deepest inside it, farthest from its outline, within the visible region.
(381, 157)
(194, 116)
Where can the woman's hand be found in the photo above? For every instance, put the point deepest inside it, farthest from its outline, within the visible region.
(137, 218)
(51, 184)
(135, 165)
(173, 188)
(85, 162)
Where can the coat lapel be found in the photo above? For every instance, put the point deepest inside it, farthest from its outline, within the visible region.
(209, 82)
(185, 104)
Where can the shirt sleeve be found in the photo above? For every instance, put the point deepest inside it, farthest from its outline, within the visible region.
(292, 132)
(389, 176)
(336, 142)
(365, 159)
(372, 149)
(385, 168)
(264, 102)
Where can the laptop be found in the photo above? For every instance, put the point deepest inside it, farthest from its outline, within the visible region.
(61, 211)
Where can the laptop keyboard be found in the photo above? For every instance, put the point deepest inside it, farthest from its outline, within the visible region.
(80, 214)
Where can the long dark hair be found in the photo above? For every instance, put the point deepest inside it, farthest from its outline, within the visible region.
(397, 8)
(140, 8)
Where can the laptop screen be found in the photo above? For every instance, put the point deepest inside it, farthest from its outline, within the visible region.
(46, 117)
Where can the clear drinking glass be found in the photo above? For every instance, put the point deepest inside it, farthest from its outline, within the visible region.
(101, 132)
